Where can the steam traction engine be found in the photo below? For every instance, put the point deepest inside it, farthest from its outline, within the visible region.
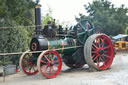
(78, 47)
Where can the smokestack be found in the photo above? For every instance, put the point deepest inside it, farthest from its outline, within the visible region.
(38, 22)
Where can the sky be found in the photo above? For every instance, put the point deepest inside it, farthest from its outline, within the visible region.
(66, 10)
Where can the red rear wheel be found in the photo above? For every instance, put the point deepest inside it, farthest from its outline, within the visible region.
(26, 65)
(49, 64)
(99, 51)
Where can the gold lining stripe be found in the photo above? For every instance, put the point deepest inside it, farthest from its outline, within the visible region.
(48, 45)
(62, 46)
(37, 6)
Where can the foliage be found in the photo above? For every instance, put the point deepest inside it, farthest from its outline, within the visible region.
(15, 13)
(102, 12)
(47, 17)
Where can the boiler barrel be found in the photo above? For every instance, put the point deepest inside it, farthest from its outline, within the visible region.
(63, 46)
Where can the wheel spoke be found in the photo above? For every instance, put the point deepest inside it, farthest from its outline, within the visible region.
(30, 68)
(95, 58)
(46, 58)
(84, 38)
(43, 66)
(82, 26)
(27, 66)
(53, 69)
(94, 51)
(105, 51)
(102, 43)
(106, 47)
(25, 59)
(82, 33)
(53, 58)
(42, 61)
(102, 58)
(50, 70)
(55, 61)
(93, 48)
(26, 63)
(99, 44)
(94, 45)
(97, 62)
(46, 69)
(49, 56)
(106, 56)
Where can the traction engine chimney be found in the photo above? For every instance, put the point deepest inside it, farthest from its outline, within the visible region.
(38, 23)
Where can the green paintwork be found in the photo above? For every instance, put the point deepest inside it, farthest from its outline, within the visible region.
(61, 44)
(84, 30)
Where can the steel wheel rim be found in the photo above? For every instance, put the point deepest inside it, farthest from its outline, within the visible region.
(51, 67)
(102, 52)
(27, 67)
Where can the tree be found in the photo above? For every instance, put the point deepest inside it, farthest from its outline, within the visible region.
(102, 12)
(14, 14)
(47, 17)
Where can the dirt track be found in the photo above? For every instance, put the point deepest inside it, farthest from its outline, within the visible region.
(116, 75)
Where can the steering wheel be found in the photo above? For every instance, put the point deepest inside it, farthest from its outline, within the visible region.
(83, 29)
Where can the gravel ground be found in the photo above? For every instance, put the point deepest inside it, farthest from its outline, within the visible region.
(116, 75)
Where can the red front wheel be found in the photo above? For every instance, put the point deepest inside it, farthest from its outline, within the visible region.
(26, 64)
(49, 64)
